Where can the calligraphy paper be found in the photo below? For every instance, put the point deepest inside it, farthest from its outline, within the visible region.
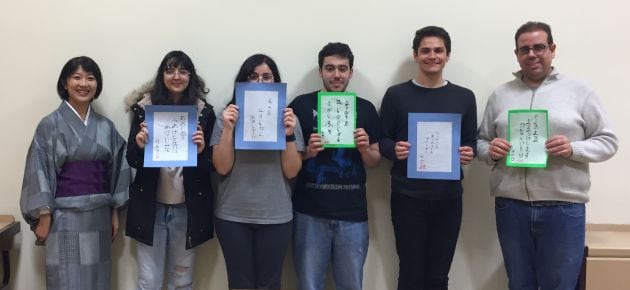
(435, 141)
(336, 118)
(261, 113)
(170, 142)
(527, 132)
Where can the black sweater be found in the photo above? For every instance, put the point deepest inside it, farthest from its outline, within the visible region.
(405, 98)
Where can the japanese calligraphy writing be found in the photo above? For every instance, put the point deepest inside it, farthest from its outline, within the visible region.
(261, 116)
(337, 119)
(528, 133)
(434, 146)
(170, 132)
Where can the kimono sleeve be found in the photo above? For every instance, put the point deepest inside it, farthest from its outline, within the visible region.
(121, 174)
(40, 177)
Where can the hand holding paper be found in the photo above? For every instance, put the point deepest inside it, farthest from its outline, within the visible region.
(143, 135)
(466, 155)
(289, 121)
(361, 139)
(559, 145)
(499, 148)
(230, 115)
(402, 150)
(315, 145)
(198, 139)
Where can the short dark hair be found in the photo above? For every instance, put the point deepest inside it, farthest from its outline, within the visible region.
(249, 66)
(196, 86)
(532, 26)
(432, 31)
(88, 65)
(336, 48)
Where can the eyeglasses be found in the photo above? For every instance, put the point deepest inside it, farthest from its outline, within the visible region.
(537, 48)
(180, 71)
(255, 77)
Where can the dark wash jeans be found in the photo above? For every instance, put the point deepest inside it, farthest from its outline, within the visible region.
(426, 234)
(542, 243)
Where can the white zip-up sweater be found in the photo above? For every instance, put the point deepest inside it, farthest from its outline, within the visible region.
(574, 111)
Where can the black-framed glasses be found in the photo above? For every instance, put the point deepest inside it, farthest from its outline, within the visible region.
(537, 48)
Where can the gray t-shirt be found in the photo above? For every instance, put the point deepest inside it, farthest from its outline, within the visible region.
(255, 191)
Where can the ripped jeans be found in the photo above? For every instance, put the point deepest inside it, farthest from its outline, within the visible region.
(169, 245)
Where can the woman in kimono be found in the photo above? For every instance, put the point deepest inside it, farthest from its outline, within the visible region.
(254, 210)
(75, 180)
(170, 208)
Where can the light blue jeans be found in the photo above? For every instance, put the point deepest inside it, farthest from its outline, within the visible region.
(169, 238)
(318, 241)
(542, 244)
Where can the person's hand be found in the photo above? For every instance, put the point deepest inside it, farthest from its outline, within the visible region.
(402, 150)
(115, 223)
(362, 140)
(289, 122)
(559, 145)
(466, 155)
(499, 148)
(198, 139)
(230, 115)
(42, 229)
(314, 146)
(143, 135)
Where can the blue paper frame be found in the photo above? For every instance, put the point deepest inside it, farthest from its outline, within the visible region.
(413, 119)
(191, 160)
(280, 143)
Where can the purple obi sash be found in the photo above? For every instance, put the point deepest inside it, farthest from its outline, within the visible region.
(82, 177)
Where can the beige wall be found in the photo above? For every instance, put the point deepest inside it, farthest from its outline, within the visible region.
(129, 38)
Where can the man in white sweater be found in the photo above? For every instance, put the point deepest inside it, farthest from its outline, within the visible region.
(540, 211)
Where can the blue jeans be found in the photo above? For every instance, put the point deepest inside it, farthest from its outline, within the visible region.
(542, 244)
(317, 241)
(169, 238)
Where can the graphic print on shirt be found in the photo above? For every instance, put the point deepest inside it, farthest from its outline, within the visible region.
(333, 168)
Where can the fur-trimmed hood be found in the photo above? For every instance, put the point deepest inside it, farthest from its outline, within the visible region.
(137, 95)
(142, 97)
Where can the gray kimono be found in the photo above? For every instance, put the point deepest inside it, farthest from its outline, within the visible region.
(79, 173)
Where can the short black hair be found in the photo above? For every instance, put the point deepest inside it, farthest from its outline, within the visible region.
(532, 26)
(88, 65)
(432, 31)
(336, 48)
(196, 86)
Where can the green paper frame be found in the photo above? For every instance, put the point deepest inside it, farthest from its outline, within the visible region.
(322, 96)
(508, 159)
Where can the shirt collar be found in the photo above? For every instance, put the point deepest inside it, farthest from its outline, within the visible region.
(420, 85)
(87, 116)
(554, 74)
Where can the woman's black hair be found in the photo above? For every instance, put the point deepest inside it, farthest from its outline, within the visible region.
(196, 86)
(88, 65)
(248, 67)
